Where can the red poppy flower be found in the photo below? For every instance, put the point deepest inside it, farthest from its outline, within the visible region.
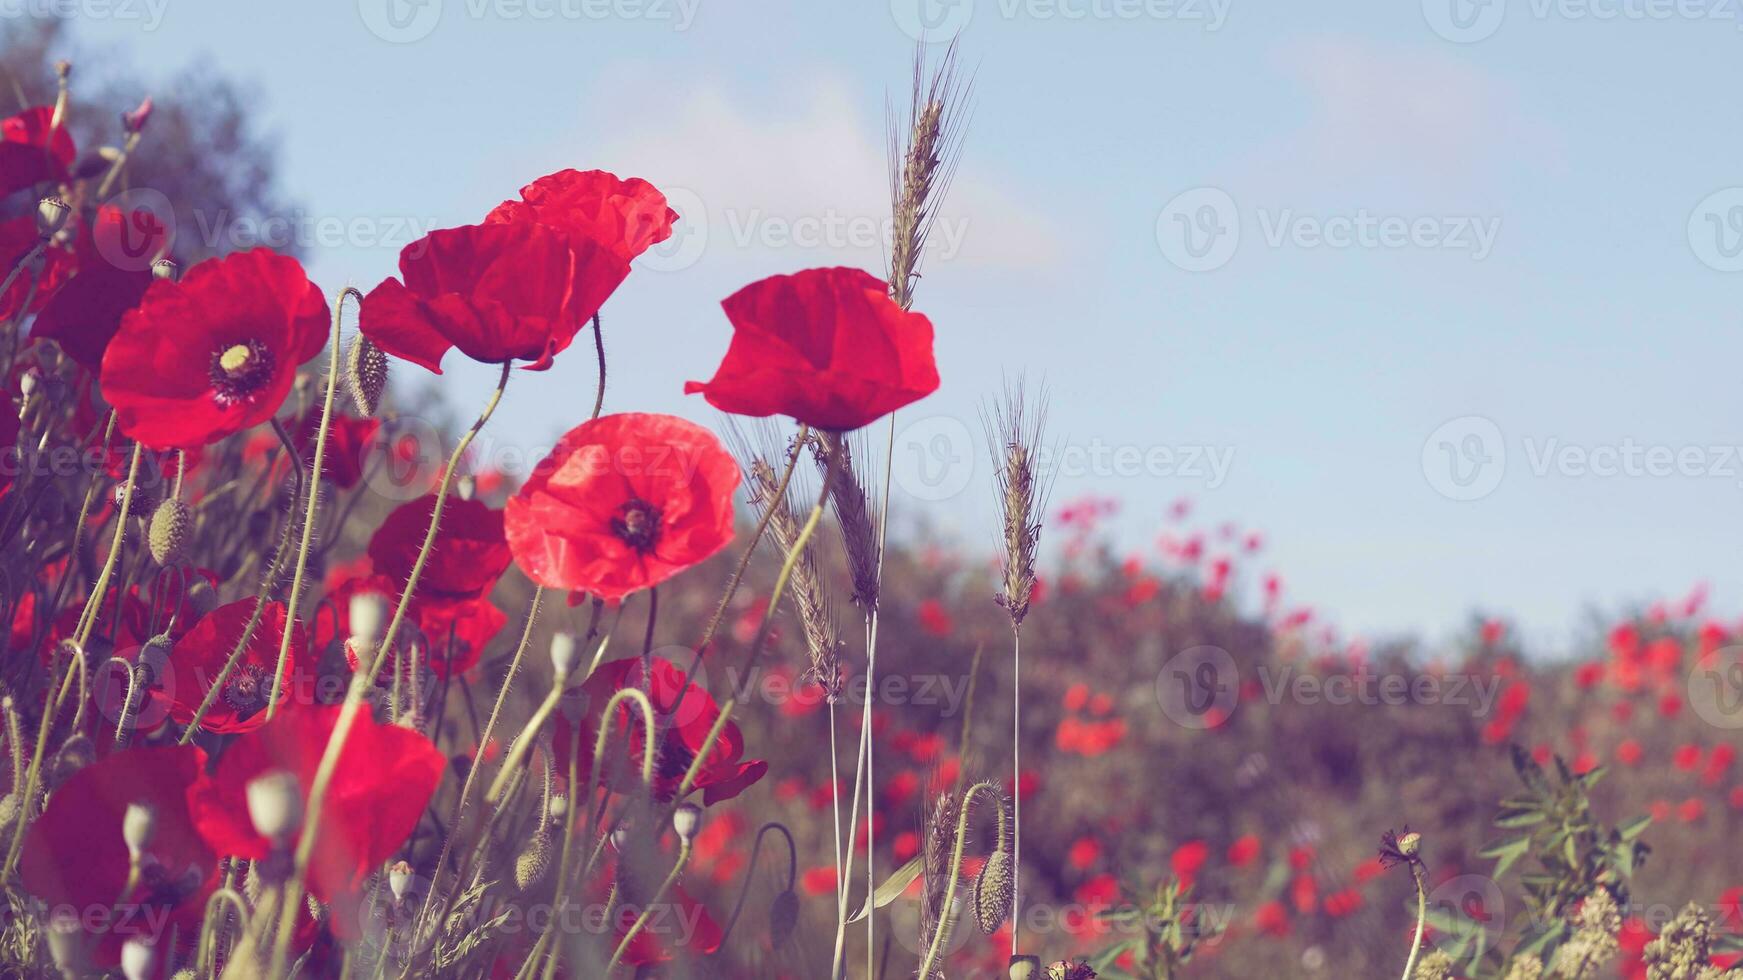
(626, 216)
(468, 556)
(349, 441)
(723, 775)
(33, 149)
(455, 631)
(622, 503)
(384, 780)
(215, 353)
(500, 292)
(17, 237)
(200, 655)
(825, 346)
(114, 270)
(75, 859)
(700, 937)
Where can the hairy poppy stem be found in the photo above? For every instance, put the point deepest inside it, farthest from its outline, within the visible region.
(946, 920)
(649, 906)
(484, 740)
(750, 868)
(1416, 873)
(596, 778)
(361, 682)
(27, 790)
(296, 592)
(266, 583)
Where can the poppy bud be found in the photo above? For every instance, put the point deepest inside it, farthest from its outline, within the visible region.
(168, 535)
(366, 375)
(532, 863)
(399, 878)
(138, 827)
(75, 753)
(559, 805)
(166, 269)
(368, 610)
(66, 946)
(202, 598)
(783, 917)
(275, 805)
(1025, 967)
(8, 811)
(138, 960)
(135, 121)
(686, 819)
(563, 655)
(51, 215)
(994, 892)
(467, 487)
(142, 497)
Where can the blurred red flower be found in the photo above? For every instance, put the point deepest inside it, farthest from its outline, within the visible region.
(75, 858)
(934, 619)
(215, 353)
(17, 237)
(384, 780)
(469, 554)
(33, 150)
(825, 346)
(1187, 859)
(1244, 851)
(623, 503)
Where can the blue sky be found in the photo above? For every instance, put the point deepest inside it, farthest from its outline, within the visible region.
(1465, 231)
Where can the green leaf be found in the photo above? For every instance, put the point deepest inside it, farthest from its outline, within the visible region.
(894, 885)
(1634, 828)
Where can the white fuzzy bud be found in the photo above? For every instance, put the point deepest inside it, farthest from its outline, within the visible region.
(563, 654)
(275, 805)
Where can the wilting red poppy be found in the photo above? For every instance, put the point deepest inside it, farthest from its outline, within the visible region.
(215, 353)
(114, 270)
(200, 655)
(622, 503)
(625, 216)
(723, 775)
(825, 346)
(499, 292)
(468, 556)
(75, 859)
(384, 780)
(33, 149)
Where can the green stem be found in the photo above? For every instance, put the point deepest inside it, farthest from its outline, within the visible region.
(361, 683)
(1416, 873)
(648, 908)
(296, 592)
(946, 919)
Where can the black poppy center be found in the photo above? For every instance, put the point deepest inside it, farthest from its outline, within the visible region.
(239, 371)
(672, 761)
(637, 522)
(247, 690)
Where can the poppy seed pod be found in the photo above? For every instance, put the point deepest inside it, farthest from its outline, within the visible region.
(202, 598)
(466, 487)
(168, 535)
(275, 805)
(138, 960)
(1025, 967)
(563, 654)
(51, 215)
(686, 819)
(399, 878)
(366, 375)
(368, 611)
(138, 827)
(166, 269)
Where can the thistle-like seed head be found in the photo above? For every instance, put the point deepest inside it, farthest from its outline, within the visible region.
(366, 375)
(168, 534)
